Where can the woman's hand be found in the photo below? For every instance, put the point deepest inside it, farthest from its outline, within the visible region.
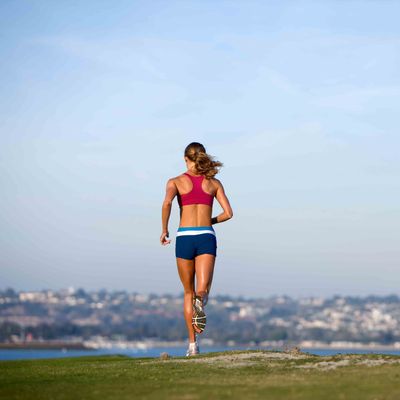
(163, 238)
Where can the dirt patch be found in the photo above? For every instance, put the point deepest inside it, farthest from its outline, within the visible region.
(281, 358)
(379, 361)
(248, 357)
(348, 360)
(325, 364)
(242, 359)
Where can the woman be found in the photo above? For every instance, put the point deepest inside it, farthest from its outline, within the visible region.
(196, 243)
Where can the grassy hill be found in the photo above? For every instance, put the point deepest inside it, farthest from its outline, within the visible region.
(224, 375)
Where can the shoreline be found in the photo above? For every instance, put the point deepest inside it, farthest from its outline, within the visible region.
(147, 344)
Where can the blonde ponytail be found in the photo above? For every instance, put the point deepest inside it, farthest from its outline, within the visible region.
(204, 163)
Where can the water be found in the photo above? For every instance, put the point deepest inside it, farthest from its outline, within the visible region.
(19, 354)
(180, 351)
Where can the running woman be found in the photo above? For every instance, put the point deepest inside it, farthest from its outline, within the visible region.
(196, 242)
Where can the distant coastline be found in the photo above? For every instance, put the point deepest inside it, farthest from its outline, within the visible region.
(45, 346)
(79, 319)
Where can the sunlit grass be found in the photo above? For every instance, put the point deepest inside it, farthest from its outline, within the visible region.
(223, 375)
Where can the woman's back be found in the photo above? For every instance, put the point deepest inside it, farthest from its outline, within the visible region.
(195, 198)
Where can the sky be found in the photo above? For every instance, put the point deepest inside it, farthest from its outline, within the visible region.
(299, 100)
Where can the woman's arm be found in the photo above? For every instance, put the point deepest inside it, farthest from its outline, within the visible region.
(171, 192)
(224, 202)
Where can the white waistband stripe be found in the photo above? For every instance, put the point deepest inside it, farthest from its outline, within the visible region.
(199, 232)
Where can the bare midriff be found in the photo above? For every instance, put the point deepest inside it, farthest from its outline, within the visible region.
(195, 215)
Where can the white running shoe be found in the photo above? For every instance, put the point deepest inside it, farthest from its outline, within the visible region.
(193, 349)
(199, 318)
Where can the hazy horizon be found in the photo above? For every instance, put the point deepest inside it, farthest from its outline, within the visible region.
(297, 99)
(73, 290)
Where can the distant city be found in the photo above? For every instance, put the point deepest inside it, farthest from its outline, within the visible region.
(98, 319)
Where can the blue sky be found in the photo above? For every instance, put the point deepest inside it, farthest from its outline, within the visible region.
(299, 100)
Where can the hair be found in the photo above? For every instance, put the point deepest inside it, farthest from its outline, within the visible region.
(204, 163)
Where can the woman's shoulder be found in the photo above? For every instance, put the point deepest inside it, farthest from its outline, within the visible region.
(176, 179)
(216, 181)
(182, 176)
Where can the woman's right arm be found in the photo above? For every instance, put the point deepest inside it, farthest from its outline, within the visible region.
(224, 202)
(170, 193)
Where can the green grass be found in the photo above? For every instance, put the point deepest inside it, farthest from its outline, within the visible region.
(202, 377)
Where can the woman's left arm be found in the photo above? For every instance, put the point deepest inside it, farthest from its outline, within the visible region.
(171, 192)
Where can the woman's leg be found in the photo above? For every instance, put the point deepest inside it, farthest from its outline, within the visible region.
(186, 272)
(204, 269)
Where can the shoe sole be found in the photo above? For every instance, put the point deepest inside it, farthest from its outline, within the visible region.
(199, 318)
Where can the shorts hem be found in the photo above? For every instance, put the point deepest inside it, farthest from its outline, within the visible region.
(183, 258)
(206, 253)
(212, 254)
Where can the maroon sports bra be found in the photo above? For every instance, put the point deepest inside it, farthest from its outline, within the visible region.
(197, 195)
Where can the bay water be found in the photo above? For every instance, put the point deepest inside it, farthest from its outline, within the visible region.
(178, 351)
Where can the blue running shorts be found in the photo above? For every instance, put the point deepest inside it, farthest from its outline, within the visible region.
(192, 241)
